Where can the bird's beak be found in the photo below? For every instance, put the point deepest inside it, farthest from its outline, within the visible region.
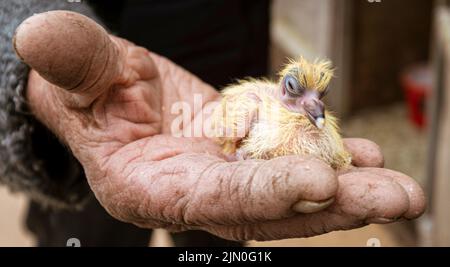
(315, 111)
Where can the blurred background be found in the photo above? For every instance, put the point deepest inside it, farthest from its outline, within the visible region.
(390, 86)
(391, 81)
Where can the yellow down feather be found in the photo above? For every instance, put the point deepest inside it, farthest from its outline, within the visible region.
(273, 130)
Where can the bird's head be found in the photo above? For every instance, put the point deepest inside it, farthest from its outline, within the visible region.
(303, 85)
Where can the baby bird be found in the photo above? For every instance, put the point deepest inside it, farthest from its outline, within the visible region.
(261, 119)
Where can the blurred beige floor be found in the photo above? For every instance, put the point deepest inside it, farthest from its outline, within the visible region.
(400, 154)
(12, 232)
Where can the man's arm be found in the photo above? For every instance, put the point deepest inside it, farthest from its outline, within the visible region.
(31, 159)
(116, 117)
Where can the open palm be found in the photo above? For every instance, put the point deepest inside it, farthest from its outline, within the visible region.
(111, 102)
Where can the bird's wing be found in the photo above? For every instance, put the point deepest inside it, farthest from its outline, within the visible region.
(237, 112)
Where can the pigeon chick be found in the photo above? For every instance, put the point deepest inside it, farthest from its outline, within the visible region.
(261, 119)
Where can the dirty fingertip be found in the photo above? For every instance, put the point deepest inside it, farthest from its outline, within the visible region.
(305, 206)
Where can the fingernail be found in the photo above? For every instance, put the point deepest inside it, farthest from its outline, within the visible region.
(380, 220)
(306, 206)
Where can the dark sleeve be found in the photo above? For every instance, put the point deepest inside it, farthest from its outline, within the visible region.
(31, 158)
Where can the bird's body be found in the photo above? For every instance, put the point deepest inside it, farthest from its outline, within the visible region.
(252, 122)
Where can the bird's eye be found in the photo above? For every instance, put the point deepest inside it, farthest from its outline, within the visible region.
(324, 93)
(292, 86)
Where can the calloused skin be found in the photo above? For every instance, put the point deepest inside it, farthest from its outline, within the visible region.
(110, 102)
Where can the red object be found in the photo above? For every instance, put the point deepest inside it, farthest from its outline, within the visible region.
(417, 82)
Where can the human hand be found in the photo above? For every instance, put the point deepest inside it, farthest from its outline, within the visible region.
(110, 101)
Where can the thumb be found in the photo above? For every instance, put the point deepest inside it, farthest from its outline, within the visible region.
(70, 51)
